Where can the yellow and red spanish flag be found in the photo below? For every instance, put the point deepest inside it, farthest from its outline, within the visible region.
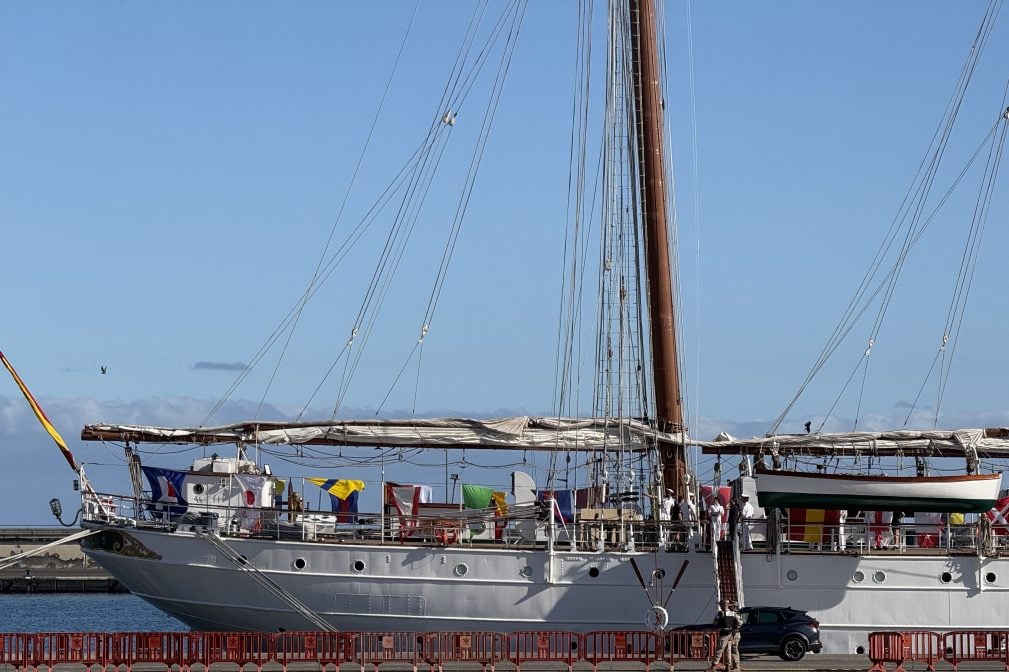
(812, 525)
(40, 414)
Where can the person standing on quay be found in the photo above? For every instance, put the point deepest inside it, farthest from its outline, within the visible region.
(728, 639)
(735, 665)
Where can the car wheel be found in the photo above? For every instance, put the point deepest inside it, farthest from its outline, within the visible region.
(792, 648)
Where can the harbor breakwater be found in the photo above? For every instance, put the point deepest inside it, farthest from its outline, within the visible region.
(61, 569)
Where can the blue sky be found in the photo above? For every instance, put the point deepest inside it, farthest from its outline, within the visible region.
(171, 172)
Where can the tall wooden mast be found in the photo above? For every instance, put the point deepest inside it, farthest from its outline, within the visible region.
(651, 151)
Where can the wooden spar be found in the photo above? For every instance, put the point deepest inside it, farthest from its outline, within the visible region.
(986, 442)
(458, 433)
(651, 152)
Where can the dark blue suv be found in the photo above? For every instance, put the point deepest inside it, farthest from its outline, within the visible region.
(784, 631)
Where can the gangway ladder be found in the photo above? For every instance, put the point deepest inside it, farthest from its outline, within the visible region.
(728, 572)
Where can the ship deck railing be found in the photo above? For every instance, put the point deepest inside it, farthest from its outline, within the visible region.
(592, 530)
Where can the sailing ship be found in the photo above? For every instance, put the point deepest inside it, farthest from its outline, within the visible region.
(212, 546)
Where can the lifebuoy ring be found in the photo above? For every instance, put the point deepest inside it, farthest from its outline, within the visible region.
(656, 618)
(446, 535)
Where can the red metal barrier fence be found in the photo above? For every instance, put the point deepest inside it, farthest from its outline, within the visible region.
(607, 646)
(886, 647)
(483, 648)
(376, 648)
(928, 648)
(680, 645)
(324, 648)
(434, 650)
(976, 646)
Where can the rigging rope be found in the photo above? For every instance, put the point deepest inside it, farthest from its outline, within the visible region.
(908, 220)
(413, 181)
(969, 263)
(293, 320)
(512, 20)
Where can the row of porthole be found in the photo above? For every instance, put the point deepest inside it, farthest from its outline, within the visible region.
(357, 566)
(880, 576)
(858, 577)
(462, 569)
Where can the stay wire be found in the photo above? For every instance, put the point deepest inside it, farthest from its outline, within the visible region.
(921, 185)
(517, 10)
(847, 325)
(333, 263)
(981, 217)
(475, 163)
(577, 150)
(339, 215)
(453, 97)
(312, 282)
(925, 186)
(334, 260)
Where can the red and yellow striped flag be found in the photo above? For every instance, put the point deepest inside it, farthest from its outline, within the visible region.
(812, 525)
(40, 414)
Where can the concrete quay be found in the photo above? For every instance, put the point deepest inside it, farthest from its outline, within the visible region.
(62, 569)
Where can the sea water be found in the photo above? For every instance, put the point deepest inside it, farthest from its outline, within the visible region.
(98, 612)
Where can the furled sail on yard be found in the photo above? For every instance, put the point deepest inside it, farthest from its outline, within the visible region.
(518, 433)
(935, 442)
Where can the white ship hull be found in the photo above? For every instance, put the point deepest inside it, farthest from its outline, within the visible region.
(402, 587)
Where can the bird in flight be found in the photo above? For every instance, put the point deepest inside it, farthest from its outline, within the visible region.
(105, 369)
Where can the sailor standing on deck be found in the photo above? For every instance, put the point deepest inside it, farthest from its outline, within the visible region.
(665, 516)
(668, 502)
(747, 525)
(733, 520)
(715, 511)
(688, 516)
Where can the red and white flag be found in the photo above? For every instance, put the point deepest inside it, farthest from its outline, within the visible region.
(879, 527)
(999, 516)
(723, 493)
(405, 499)
(928, 527)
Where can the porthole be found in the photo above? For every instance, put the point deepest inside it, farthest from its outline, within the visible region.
(526, 571)
(860, 650)
(358, 566)
(946, 577)
(659, 574)
(879, 577)
(300, 563)
(991, 577)
(858, 576)
(593, 572)
(198, 489)
(792, 575)
(461, 569)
